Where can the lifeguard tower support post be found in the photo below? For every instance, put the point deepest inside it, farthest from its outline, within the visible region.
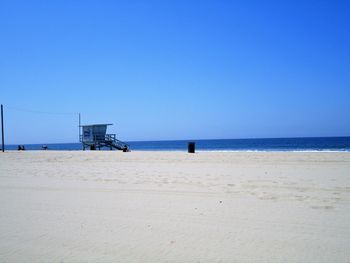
(94, 136)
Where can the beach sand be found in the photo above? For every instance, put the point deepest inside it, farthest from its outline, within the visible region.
(174, 207)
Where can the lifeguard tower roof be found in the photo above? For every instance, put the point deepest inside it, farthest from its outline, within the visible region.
(96, 125)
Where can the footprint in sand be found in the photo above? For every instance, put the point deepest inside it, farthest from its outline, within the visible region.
(326, 207)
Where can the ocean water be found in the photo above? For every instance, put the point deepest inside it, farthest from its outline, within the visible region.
(272, 144)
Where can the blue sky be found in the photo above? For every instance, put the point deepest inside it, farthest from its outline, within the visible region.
(175, 69)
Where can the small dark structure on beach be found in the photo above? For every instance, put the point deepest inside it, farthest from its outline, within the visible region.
(94, 136)
(191, 147)
(21, 148)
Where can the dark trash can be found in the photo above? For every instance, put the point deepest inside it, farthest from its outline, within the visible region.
(191, 147)
(92, 147)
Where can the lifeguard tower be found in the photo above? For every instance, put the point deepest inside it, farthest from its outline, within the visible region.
(94, 137)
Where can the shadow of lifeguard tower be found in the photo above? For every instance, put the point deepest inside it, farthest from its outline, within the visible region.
(94, 137)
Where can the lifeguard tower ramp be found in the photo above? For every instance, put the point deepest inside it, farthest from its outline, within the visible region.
(94, 137)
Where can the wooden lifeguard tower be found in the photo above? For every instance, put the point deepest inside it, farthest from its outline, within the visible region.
(94, 137)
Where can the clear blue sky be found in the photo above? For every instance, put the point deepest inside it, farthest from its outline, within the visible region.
(175, 69)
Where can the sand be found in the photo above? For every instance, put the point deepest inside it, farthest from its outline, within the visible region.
(174, 207)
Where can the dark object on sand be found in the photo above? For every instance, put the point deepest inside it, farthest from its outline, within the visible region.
(44, 147)
(92, 147)
(191, 147)
(20, 148)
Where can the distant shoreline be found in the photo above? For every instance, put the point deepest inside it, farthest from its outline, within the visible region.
(184, 151)
(337, 144)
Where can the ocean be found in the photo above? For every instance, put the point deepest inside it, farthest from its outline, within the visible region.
(336, 144)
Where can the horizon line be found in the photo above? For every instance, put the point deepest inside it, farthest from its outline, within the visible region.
(166, 140)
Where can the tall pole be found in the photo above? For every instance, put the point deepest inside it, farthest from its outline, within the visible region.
(79, 127)
(2, 129)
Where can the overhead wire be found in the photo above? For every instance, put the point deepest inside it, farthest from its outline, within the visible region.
(41, 112)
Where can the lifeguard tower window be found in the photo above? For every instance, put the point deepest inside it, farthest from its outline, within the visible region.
(95, 136)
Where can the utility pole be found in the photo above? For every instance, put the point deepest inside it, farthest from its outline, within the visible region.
(2, 129)
(79, 127)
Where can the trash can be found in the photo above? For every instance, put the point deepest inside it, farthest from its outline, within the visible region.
(191, 147)
(92, 147)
